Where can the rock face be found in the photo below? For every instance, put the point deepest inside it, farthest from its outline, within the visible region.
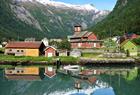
(50, 18)
(24, 15)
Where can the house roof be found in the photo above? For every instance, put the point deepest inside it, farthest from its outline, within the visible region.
(81, 34)
(28, 45)
(86, 40)
(50, 47)
(123, 43)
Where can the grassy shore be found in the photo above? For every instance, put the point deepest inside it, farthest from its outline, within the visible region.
(36, 59)
(91, 55)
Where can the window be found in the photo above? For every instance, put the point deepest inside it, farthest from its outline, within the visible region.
(17, 50)
(22, 71)
(22, 51)
(17, 71)
(10, 72)
(132, 48)
(10, 49)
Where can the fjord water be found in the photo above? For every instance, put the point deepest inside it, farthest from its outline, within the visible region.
(116, 81)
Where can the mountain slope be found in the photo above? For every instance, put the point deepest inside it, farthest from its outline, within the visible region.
(13, 28)
(44, 18)
(125, 17)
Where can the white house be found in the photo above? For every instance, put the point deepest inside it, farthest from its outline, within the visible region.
(45, 41)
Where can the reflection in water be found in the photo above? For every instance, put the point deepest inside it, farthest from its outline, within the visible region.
(89, 81)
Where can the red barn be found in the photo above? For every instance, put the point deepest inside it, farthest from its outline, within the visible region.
(83, 39)
(50, 51)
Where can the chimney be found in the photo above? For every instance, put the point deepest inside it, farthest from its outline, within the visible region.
(77, 29)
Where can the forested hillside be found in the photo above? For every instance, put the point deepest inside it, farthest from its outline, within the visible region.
(125, 17)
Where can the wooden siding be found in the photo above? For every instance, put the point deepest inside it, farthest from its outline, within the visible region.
(22, 52)
(50, 50)
(130, 47)
(32, 52)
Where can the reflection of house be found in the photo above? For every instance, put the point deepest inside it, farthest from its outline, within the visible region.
(50, 72)
(83, 39)
(24, 48)
(87, 72)
(130, 47)
(20, 73)
(50, 51)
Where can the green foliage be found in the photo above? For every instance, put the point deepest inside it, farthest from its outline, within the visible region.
(53, 43)
(109, 43)
(123, 18)
(11, 27)
(66, 59)
(133, 74)
(65, 44)
(137, 41)
(23, 58)
(1, 49)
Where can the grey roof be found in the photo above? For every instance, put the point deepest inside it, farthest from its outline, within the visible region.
(81, 34)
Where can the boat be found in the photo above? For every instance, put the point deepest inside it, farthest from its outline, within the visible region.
(72, 68)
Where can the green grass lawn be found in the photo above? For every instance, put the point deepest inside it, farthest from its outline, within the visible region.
(91, 55)
(1, 49)
(35, 59)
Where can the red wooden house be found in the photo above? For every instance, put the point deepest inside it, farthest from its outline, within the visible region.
(83, 39)
(50, 51)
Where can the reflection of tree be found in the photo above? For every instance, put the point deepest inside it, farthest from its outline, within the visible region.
(132, 74)
(120, 83)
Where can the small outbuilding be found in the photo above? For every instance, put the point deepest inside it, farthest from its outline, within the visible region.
(75, 53)
(62, 52)
(50, 51)
(130, 47)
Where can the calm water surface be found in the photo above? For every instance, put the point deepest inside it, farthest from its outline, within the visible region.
(116, 81)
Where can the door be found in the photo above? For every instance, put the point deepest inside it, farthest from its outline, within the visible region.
(50, 54)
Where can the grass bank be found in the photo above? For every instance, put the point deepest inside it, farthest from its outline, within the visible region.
(36, 59)
(91, 55)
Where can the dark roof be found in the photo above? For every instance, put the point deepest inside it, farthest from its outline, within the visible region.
(81, 34)
(86, 40)
(28, 45)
